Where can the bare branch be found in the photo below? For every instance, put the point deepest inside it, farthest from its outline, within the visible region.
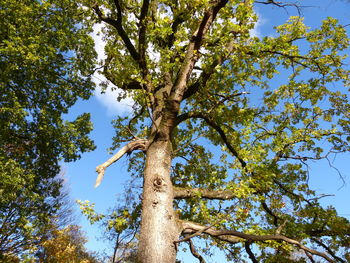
(272, 2)
(279, 229)
(233, 236)
(185, 193)
(282, 5)
(338, 171)
(319, 197)
(140, 144)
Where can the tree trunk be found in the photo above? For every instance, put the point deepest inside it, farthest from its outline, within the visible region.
(159, 227)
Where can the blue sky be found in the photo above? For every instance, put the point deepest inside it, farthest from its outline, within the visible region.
(81, 174)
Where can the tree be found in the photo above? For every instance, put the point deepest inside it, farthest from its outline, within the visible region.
(46, 59)
(60, 240)
(119, 227)
(65, 245)
(224, 145)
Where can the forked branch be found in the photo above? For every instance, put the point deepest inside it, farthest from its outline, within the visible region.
(208, 72)
(192, 56)
(233, 236)
(281, 4)
(140, 144)
(117, 24)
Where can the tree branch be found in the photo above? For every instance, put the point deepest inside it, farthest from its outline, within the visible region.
(268, 210)
(194, 252)
(197, 233)
(142, 35)
(272, 2)
(140, 144)
(185, 193)
(178, 20)
(131, 85)
(233, 236)
(193, 228)
(291, 193)
(216, 127)
(117, 24)
(310, 257)
(280, 4)
(192, 54)
(249, 252)
(318, 242)
(205, 75)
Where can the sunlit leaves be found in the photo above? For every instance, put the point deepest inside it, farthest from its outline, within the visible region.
(65, 245)
(257, 111)
(46, 63)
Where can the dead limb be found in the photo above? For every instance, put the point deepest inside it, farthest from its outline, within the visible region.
(139, 144)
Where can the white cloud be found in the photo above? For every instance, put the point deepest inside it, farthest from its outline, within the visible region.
(109, 97)
(99, 43)
(256, 31)
(109, 100)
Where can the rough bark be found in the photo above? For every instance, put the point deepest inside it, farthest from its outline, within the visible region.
(159, 227)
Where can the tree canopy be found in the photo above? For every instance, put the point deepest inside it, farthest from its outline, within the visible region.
(223, 127)
(46, 59)
(227, 124)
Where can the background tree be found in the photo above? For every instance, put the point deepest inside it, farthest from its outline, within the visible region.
(65, 245)
(224, 145)
(61, 240)
(118, 226)
(46, 56)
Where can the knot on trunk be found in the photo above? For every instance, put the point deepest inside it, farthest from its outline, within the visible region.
(159, 184)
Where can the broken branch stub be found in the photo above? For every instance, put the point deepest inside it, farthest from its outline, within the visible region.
(140, 144)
